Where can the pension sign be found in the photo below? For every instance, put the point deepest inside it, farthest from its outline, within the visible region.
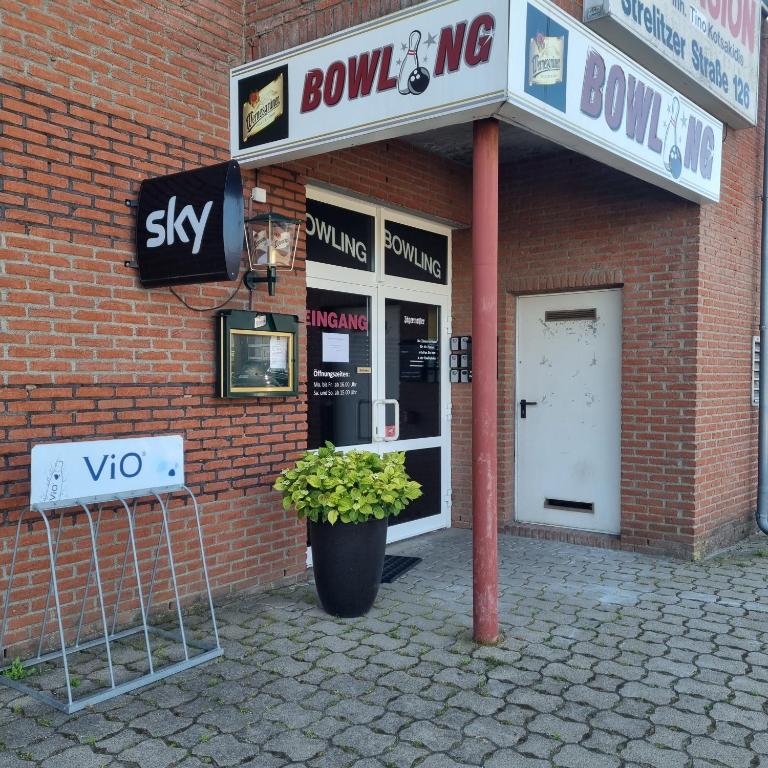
(708, 49)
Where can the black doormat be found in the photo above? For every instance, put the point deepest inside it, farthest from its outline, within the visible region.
(395, 566)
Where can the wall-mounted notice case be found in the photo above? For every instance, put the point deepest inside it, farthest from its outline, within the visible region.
(256, 354)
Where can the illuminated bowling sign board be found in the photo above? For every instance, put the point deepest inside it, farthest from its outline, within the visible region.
(709, 49)
(456, 61)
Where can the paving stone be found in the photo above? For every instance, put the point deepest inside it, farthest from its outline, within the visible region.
(757, 721)
(696, 724)
(650, 754)
(404, 755)
(574, 756)
(291, 716)
(603, 741)
(159, 723)
(431, 736)
(413, 706)
(501, 734)
(363, 740)
(649, 693)
(608, 658)
(708, 749)
(630, 727)
(557, 728)
(332, 757)
(76, 757)
(473, 751)
(295, 745)
(40, 750)
(480, 705)
(506, 758)
(591, 697)
(442, 761)
(355, 711)
(151, 753)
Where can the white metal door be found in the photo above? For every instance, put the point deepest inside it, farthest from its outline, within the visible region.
(568, 410)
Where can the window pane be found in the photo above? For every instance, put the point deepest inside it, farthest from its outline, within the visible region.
(338, 368)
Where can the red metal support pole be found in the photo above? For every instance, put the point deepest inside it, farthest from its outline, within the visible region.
(485, 238)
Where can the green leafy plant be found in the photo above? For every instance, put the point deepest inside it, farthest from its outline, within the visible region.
(328, 485)
(17, 671)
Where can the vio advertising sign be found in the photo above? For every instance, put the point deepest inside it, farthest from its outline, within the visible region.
(567, 84)
(436, 64)
(709, 49)
(64, 474)
(189, 226)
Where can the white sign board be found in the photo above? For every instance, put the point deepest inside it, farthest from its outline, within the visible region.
(567, 84)
(451, 61)
(708, 49)
(65, 474)
(439, 63)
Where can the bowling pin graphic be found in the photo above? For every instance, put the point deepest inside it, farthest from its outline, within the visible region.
(410, 68)
(670, 151)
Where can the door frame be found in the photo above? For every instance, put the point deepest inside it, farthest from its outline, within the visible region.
(380, 287)
(580, 292)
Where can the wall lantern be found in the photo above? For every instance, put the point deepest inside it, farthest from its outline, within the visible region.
(271, 240)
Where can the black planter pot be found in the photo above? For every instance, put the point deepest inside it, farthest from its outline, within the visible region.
(347, 560)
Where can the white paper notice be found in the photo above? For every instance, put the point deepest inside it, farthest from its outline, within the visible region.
(335, 348)
(278, 352)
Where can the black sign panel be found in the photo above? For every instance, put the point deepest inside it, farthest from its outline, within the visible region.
(263, 101)
(412, 375)
(415, 253)
(338, 368)
(189, 226)
(339, 236)
(424, 467)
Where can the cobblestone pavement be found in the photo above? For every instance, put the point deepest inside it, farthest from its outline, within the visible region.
(608, 659)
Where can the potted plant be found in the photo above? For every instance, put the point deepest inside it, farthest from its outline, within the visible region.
(347, 498)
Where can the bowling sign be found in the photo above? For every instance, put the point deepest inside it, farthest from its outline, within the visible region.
(443, 65)
(596, 100)
(524, 62)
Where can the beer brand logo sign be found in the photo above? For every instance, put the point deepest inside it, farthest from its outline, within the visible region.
(263, 108)
(546, 60)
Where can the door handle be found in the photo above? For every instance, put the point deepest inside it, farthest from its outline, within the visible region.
(378, 437)
(524, 405)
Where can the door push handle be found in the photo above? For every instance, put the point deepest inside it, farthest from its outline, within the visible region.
(391, 432)
(524, 405)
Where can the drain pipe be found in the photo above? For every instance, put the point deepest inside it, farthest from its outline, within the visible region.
(761, 513)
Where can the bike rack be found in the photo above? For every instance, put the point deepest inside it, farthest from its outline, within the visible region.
(194, 652)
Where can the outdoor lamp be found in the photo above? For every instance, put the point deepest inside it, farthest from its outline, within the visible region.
(271, 239)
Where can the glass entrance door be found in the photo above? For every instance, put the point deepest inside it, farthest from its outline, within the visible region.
(377, 353)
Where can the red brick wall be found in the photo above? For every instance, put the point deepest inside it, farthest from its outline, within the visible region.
(87, 353)
(567, 223)
(93, 100)
(729, 308)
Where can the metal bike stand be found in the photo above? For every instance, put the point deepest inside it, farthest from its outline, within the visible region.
(204, 651)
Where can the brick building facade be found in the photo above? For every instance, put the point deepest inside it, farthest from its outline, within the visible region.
(95, 98)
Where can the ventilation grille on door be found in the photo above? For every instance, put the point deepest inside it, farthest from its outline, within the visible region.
(554, 315)
(569, 506)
